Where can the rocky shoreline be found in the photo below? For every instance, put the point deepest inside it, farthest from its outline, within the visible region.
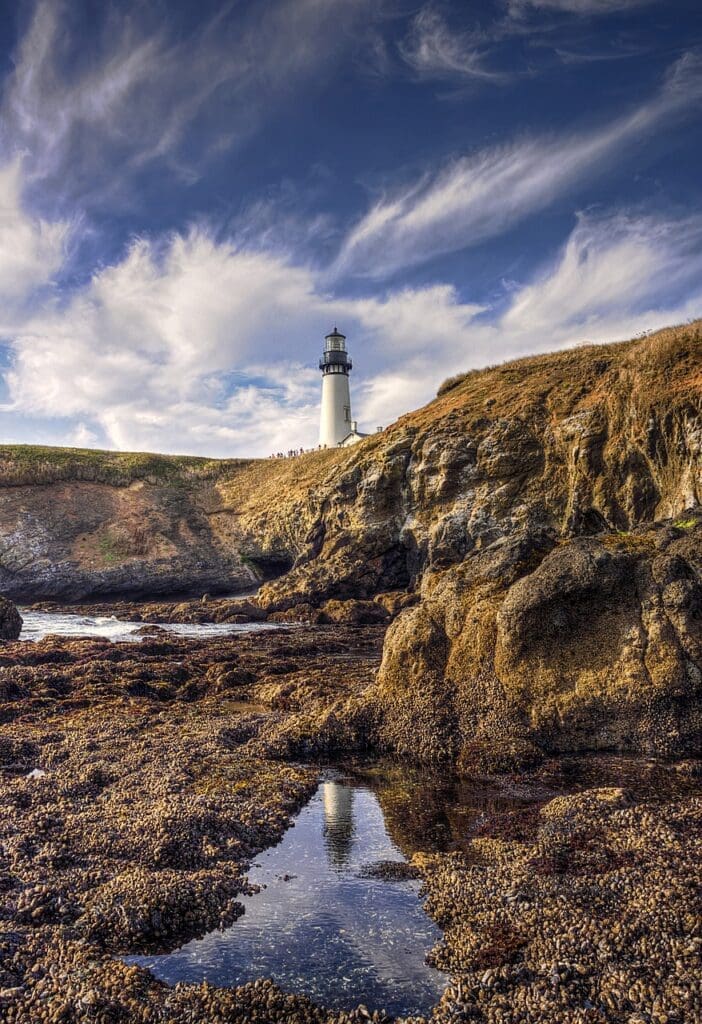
(132, 804)
(531, 538)
(530, 646)
(498, 581)
(137, 781)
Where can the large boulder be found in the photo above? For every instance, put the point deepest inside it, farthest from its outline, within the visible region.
(10, 620)
(354, 613)
(595, 643)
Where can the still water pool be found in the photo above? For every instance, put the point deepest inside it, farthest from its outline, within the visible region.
(318, 928)
(323, 929)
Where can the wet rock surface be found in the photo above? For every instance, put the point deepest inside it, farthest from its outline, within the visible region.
(597, 919)
(138, 781)
(134, 795)
(10, 620)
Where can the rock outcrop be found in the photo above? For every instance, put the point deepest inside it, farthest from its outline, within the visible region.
(596, 646)
(88, 524)
(597, 439)
(10, 620)
(544, 514)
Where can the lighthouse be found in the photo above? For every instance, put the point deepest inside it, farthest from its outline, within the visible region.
(336, 424)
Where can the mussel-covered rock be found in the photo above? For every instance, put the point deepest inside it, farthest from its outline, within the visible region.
(10, 620)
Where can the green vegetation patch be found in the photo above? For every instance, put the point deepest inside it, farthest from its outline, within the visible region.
(684, 524)
(38, 464)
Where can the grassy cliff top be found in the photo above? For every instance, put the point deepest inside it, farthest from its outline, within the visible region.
(661, 367)
(665, 365)
(41, 464)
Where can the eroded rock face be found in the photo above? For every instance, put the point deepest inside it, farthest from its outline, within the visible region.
(596, 646)
(73, 539)
(574, 444)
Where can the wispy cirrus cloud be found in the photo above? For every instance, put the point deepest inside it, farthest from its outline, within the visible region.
(581, 7)
(31, 249)
(434, 50)
(481, 195)
(485, 54)
(567, 56)
(608, 267)
(87, 123)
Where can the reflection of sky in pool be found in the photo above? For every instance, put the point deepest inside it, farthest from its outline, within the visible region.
(326, 933)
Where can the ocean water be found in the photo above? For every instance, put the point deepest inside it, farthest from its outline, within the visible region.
(319, 928)
(40, 624)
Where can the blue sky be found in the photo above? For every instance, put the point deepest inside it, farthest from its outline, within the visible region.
(191, 194)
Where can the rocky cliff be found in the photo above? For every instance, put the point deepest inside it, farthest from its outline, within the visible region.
(600, 438)
(523, 508)
(591, 643)
(76, 524)
(545, 513)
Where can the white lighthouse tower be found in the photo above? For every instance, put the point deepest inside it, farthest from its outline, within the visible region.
(336, 424)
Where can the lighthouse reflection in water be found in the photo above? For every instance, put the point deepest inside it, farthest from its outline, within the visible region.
(338, 822)
(318, 929)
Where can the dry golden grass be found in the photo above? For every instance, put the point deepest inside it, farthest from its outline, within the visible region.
(667, 363)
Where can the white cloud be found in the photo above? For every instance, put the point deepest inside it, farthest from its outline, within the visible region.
(394, 319)
(166, 320)
(31, 249)
(433, 50)
(607, 268)
(189, 345)
(82, 437)
(481, 195)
